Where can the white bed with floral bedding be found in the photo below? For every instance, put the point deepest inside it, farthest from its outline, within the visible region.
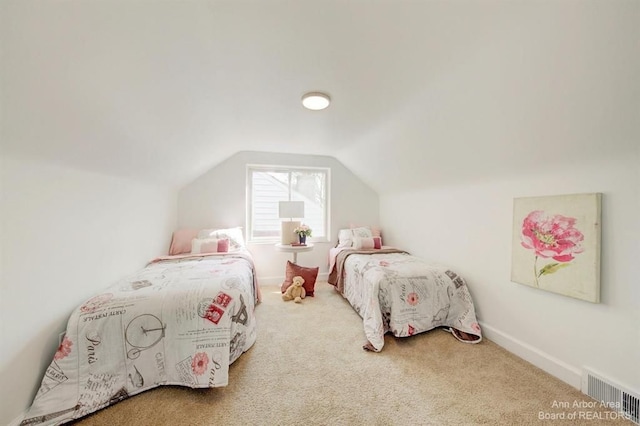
(182, 320)
(395, 292)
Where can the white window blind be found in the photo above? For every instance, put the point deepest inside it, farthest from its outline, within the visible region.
(268, 185)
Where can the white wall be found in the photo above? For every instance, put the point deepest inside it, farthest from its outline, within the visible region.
(218, 199)
(65, 235)
(469, 227)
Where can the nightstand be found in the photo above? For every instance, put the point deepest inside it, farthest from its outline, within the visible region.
(288, 248)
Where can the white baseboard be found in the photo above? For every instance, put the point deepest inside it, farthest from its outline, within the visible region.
(540, 359)
(322, 276)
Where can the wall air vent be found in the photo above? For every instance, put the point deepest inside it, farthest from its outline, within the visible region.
(611, 395)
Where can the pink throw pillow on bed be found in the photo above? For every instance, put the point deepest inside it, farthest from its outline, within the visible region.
(181, 241)
(377, 242)
(209, 245)
(367, 243)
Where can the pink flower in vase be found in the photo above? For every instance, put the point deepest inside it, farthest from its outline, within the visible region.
(303, 231)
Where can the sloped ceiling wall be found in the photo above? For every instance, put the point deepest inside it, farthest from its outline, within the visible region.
(536, 87)
(422, 91)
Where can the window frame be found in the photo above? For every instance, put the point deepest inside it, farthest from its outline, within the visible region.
(250, 168)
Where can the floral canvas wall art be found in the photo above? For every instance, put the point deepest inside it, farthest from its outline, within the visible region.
(556, 244)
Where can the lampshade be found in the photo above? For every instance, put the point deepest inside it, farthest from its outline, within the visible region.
(315, 100)
(291, 209)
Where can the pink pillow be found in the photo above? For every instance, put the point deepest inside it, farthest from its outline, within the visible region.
(309, 275)
(377, 242)
(181, 241)
(367, 243)
(209, 245)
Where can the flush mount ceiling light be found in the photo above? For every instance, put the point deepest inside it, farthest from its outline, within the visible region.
(315, 100)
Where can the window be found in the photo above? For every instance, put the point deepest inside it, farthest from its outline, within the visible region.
(268, 185)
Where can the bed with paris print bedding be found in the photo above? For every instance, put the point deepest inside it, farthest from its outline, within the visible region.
(182, 320)
(396, 292)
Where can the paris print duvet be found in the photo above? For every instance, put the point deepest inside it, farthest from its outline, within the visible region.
(176, 322)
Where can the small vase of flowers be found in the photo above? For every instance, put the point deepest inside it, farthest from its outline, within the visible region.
(303, 231)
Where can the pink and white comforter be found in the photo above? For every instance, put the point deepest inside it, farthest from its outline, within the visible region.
(179, 321)
(402, 294)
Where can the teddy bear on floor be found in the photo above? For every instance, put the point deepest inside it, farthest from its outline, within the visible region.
(295, 291)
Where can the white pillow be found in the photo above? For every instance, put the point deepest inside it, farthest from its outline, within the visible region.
(206, 233)
(345, 238)
(236, 240)
(362, 232)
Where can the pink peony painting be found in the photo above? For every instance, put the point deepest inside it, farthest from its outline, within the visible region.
(556, 244)
(551, 236)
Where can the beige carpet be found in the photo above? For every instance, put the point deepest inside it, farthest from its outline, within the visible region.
(307, 367)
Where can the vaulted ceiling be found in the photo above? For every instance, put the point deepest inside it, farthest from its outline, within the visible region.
(423, 91)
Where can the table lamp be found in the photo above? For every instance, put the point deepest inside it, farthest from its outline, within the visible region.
(290, 210)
